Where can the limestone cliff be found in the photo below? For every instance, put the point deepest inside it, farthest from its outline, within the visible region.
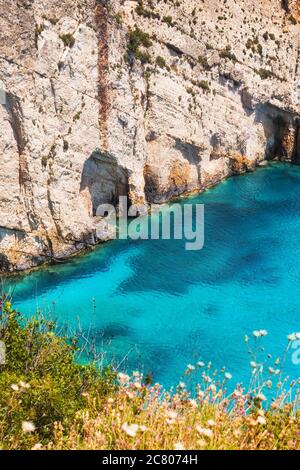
(146, 98)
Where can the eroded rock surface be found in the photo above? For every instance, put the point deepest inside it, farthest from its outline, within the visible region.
(149, 99)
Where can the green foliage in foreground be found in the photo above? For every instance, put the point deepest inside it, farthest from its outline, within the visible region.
(40, 381)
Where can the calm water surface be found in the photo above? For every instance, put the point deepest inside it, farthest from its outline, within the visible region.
(164, 307)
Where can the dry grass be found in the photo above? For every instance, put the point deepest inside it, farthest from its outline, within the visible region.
(147, 419)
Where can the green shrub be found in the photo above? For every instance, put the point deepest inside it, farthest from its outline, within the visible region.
(259, 49)
(143, 57)
(203, 61)
(142, 11)
(204, 85)
(68, 39)
(168, 20)
(40, 381)
(119, 19)
(227, 54)
(160, 61)
(136, 39)
(266, 36)
(53, 21)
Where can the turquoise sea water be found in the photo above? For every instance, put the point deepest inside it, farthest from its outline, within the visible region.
(164, 307)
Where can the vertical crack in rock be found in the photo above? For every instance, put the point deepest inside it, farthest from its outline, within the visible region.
(14, 110)
(101, 21)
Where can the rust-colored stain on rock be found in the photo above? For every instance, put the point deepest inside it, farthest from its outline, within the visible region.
(101, 21)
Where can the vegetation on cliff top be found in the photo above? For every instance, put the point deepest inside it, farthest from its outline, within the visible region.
(49, 401)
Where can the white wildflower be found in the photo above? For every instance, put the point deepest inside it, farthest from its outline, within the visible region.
(190, 367)
(211, 423)
(259, 333)
(237, 394)
(204, 432)
(261, 420)
(200, 364)
(130, 429)
(28, 426)
(24, 384)
(37, 446)
(193, 403)
(178, 446)
(293, 336)
(172, 414)
(181, 385)
(206, 378)
(15, 387)
(228, 376)
(260, 397)
(123, 379)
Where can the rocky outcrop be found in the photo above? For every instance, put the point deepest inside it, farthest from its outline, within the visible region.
(146, 98)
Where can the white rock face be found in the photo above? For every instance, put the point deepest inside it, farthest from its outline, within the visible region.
(149, 99)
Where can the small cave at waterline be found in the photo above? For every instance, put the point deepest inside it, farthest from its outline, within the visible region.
(103, 181)
(282, 134)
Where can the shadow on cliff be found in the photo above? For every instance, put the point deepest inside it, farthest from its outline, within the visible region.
(104, 179)
(281, 130)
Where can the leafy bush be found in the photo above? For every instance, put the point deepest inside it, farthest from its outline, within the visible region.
(264, 73)
(204, 85)
(119, 18)
(203, 61)
(143, 57)
(168, 20)
(40, 382)
(142, 11)
(68, 39)
(160, 61)
(136, 39)
(227, 54)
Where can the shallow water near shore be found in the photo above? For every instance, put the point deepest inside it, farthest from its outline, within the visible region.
(157, 307)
